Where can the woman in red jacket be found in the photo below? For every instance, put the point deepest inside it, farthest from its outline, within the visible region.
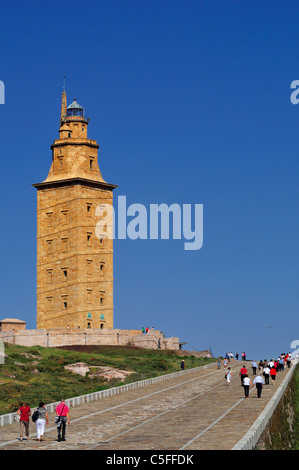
(273, 373)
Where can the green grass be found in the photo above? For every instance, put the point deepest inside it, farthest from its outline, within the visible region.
(35, 374)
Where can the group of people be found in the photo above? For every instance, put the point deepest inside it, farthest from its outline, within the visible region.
(263, 371)
(146, 330)
(41, 419)
(229, 356)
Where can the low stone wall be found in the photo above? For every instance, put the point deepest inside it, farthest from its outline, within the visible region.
(252, 437)
(154, 339)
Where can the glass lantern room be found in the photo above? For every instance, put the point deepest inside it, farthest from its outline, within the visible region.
(75, 109)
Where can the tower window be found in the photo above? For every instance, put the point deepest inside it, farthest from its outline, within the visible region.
(89, 293)
(65, 217)
(64, 244)
(49, 303)
(102, 297)
(50, 218)
(102, 268)
(64, 271)
(50, 246)
(88, 238)
(91, 163)
(50, 276)
(60, 163)
(64, 302)
(89, 267)
(88, 209)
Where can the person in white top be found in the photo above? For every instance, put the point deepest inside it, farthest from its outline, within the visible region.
(259, 383)
(266, 372)
(228, 376)
(246, 384)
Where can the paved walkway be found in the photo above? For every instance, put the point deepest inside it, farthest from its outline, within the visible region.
(196, 410)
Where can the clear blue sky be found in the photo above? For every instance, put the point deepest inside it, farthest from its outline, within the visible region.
(190, 103)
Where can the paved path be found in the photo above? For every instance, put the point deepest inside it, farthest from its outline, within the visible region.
(196, 410)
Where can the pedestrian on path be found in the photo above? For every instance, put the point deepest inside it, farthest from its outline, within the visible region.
(246, 384)
(261, 366)
(254, 367)
(242, 373)
(41, 421)
(271, 363)
(228, 376)
(219, 362)
(266, 373)
(24, 412)
(273, 373)
(183, 365)
(259, 383)
(62, 417)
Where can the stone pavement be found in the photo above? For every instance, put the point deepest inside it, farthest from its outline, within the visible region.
(195, 411)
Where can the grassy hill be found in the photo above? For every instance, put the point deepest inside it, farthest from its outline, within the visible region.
(35, 374)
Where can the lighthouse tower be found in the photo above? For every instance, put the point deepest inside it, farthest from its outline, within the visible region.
(74, 266)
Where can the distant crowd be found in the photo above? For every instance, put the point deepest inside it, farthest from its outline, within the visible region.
(262, 371)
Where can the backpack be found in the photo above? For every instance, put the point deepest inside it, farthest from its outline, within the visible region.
(35, 416)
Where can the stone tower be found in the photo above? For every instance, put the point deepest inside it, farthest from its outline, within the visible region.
(74, 266)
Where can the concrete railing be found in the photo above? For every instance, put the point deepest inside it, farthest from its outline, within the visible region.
(249, 441)
(80, 400)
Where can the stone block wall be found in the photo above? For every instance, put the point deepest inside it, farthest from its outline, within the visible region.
(68, 337)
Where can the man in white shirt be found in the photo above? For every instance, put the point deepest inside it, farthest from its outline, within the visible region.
(259, 383)
(266, 372)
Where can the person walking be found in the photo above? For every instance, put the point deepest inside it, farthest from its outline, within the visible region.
(41, 421)
(219, 362)
(266, 373)
(24, 412)
(183, 365)
(273, 373)
(242, 373)
(259, 383)
(246, 384)
(62, 412)
(261, 366)
(254, 367)
(228, 376)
